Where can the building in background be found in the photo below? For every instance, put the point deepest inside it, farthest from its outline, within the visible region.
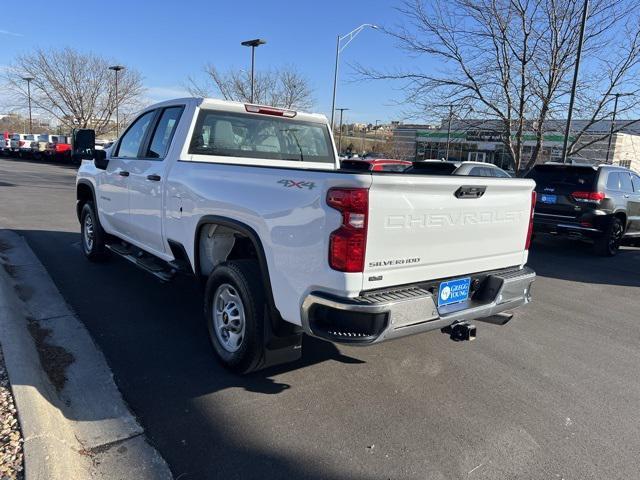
(480, 140)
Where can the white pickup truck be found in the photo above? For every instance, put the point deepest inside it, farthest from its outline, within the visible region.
(251, 201)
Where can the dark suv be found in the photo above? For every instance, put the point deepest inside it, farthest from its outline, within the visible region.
(601, 203)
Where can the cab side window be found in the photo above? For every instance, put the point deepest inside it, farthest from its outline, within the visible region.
(613, 181)
(164, 131)
(477, 172)
(625, 183)
(132, 140)
(499, 173)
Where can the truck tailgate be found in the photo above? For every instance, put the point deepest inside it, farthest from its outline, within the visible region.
(421, 229)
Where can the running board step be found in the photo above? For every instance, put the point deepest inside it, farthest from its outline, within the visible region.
(149, 264)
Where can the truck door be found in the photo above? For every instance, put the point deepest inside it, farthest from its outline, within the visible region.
(113, 184)
(146, 181)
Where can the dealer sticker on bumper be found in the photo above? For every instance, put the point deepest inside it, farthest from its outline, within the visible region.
(453, 291)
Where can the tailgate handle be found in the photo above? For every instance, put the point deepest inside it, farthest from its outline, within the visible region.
(470, 191)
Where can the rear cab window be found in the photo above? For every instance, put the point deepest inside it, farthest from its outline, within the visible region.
(394, 167)
(564, 179)
(432, 168)
(264, 137)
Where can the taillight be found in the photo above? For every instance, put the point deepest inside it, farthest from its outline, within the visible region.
(588, 196)
(534, 197)
(347, 244)
(21, 143)
(278, 112)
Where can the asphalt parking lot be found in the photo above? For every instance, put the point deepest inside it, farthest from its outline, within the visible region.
(554, 394)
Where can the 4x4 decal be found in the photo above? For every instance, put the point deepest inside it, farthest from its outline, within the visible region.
(297, 184)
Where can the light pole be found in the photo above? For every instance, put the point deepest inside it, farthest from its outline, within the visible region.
(567, 129)
(28, 80)
(449, 131)
(349, 36)
(117, 68)
(253, 44)
(613, 120)
(375, 136)
(340, 137)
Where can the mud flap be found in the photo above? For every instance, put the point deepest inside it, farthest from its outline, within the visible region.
(280, 347)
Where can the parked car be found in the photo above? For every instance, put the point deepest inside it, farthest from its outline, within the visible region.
(59, 149)
(39, 146)
(251, 201)
(375, 164)
(25, 146)
(597, 203)
(18, 141)
(443, 167)
(103, 144)
(5, 146)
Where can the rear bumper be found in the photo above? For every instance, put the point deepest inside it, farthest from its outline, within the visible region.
(376, 317)
(589, 225)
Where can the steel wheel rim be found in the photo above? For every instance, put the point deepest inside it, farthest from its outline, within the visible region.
(228, 317)
(88, 232)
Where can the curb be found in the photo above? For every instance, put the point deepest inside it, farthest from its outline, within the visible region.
(74, 421)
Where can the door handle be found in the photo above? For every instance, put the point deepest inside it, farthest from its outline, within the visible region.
(154, 177)
(626, 195)
(123, 173)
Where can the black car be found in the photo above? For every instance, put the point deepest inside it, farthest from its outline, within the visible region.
(599, 203)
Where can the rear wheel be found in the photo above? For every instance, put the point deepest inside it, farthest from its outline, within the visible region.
(608, 243)
(234, 310)
(92, 234)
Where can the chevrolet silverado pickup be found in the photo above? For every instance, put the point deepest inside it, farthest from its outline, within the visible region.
(251, 201)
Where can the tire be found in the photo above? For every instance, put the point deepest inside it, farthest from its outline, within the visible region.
(234, 296)
(91, 234)
(608, 243)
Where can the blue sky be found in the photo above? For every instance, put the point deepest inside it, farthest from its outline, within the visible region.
(167, 41)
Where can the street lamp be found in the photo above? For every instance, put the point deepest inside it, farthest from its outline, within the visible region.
(349, 36)
(613, 120)
(117, 68)
(340, 137)
(567, 129)
(449, 131)
(253, 44)
(28, 80)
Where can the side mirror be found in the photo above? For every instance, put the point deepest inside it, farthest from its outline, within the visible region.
(83, 144)
(100, 159)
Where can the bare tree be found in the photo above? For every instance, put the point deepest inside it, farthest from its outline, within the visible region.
(512, 61)
(285, 87)
(75, 88)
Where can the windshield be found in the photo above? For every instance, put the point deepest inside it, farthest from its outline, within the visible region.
(260, 136)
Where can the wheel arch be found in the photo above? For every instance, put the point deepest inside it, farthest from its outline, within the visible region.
(622, 215)
(84, 193)
(253, 237)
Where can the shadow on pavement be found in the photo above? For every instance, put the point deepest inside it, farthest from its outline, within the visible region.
(154, 339)
(42, 160)
(573, 260)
